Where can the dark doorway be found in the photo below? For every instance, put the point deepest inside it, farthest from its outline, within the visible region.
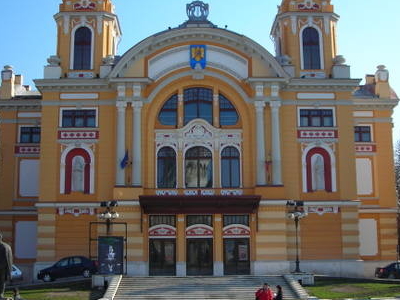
(162, 257)
(236, 256)
(199, 257)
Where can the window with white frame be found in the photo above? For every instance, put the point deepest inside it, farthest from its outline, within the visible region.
(166, 168)
(316, 117)
(29, 134)
(82, 49)
(311, 49)
(198, 168)
(230, 168)
(81, 118)
(362, 134)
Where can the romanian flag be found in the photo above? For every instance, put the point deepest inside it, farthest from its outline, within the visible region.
(124, 161)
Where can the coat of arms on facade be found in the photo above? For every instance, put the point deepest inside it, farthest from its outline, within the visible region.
(198, 56)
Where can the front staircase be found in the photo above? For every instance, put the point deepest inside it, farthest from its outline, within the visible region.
(199, 288)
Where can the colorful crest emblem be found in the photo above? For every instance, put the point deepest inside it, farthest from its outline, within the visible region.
(198, 56)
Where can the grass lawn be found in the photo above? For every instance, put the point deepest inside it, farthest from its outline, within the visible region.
(342, 288)
(61, 291)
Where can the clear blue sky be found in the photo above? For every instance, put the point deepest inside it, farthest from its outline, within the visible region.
(368, 31)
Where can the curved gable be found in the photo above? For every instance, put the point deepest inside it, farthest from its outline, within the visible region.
(226, 51)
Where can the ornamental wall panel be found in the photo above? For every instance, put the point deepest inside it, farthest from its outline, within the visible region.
(25, 239)
(29, 177)
(368, 237)
(364, 176)
(162, 231)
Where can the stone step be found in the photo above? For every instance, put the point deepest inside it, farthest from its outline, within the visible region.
(199, 288)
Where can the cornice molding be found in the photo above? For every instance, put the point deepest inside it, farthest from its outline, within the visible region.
(301, 84)
(67, 84)
(375, 103)
(306, 14)
(21, 104)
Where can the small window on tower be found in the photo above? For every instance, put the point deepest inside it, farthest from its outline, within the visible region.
(311, 49)
(82, 49)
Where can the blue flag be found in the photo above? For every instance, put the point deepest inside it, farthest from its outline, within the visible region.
(124, 161)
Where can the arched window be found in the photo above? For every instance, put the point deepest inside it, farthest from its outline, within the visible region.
(198, 168)
(77, 171)
(319, 169)
(166, 168)
(227, 112)
(230, 168)
(82, 49)
(198, 104)
(311, 49)
(169, 112)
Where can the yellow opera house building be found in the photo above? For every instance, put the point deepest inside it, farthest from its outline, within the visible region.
(207, 154)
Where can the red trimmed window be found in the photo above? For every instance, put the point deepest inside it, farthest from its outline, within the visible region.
(318, 169)
(77, 171)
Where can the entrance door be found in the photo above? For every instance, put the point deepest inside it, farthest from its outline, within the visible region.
(199, 257)
(236, 257)
(162, 257)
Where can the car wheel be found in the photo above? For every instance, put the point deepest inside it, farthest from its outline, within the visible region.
(47, 278)
(86, 273)
(391, 276)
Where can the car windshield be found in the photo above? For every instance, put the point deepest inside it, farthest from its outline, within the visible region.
(62, 263)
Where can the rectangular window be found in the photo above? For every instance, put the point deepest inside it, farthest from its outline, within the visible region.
(316, 117)
(362, 133)
(236, 219)
(198, 219)
(29, 135)
(162, 219)
(79, 118)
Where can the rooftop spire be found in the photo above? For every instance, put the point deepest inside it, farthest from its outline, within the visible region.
(197, 12)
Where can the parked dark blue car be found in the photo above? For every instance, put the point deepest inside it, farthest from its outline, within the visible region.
(390, 271)
(67, 267)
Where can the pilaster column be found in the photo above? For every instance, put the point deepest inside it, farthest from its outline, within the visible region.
(216, 109)
(276, 143)
(120, 172)
(218, 246)
(137, 144)
(180, 246)
(260, 142)
(180, 110)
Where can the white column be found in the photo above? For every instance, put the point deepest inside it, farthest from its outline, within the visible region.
(276, 143)
(120, 172)
(260, 141)
(137, 144)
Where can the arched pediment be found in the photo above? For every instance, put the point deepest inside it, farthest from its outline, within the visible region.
(226, 51)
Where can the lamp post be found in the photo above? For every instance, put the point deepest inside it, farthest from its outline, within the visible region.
(295, 211)
(109, 214)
